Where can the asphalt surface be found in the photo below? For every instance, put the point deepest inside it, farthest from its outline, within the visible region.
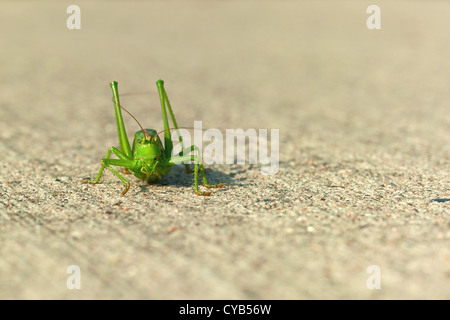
(363, 179)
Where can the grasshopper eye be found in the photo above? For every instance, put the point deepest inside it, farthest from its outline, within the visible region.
(139, 140)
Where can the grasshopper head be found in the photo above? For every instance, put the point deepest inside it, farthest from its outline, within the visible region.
(147, 144)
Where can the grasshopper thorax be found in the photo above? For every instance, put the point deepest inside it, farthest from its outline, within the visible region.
(147, 145)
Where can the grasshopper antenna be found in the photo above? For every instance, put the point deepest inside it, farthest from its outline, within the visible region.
(168, 129)
(146, 134)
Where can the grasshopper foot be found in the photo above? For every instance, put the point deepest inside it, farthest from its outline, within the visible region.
(88, 181)
(127, 187)
(205, 194)
(214, 185)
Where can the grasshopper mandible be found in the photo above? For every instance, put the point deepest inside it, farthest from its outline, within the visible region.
(148, 159)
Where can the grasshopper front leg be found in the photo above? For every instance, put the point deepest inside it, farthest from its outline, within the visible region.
(106, 162)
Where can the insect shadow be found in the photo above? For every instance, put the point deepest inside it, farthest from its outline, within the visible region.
(441, 200)
(180, 179)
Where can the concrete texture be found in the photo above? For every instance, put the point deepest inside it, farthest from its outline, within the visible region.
(364, 150)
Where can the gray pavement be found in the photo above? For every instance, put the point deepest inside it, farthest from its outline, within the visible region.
(364, 150)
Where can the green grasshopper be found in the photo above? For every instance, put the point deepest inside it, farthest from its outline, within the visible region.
(148, 160)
